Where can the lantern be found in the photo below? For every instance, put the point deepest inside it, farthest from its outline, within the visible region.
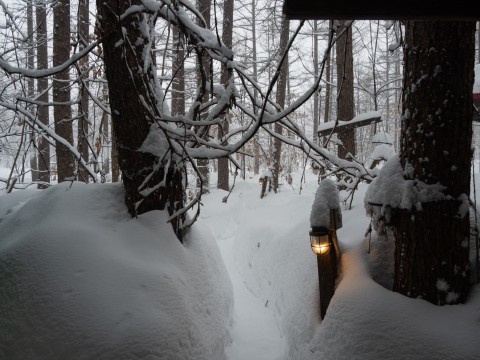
(320, 240)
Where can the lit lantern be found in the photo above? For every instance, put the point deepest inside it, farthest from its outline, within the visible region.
(320, 240)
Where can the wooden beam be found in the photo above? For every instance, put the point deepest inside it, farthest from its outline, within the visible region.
(381, 10)
(358, 121)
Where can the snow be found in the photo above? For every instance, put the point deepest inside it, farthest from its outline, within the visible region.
(82, 280)
(357, 119)
(326, 198)
(390, 188)
(382, 152)
(155, 143)
(382, 137)
(476, 84)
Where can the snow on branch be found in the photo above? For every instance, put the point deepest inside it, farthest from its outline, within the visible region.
(35, 73)
(31, 120)
(358, 121)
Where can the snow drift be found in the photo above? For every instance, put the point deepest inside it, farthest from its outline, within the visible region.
(80, 279)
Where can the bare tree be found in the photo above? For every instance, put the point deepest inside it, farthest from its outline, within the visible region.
(43, 158)
(127, 67)
(280, 100)
(153, 145)
(316, 96)
(345, 106)
(256, 145)
(83, 111)
(61, 89)
(328, 79)
(223, 171)
(31, 87)
(178, 71)
(204, 78)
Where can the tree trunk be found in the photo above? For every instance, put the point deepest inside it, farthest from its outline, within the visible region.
(387, 80)
(316, 96)
(43, 158)
(178, 69)
(31, 88)
(345, 106)
(61, 90)
(132, 102)
(478, 42)
(107, 142)
(432, 243)
(204, 7)
(328, 70)
(281, 90)
(82, 145)
(114, 157)
(223, 173)
(256, 145)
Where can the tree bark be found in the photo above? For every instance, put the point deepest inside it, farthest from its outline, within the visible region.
(114, 157)
(281, 91)
(345, 106)
(43, 158)
(478, 42)
(204, 7)
(432, 243)
(82, 144)
(316, 96)
(328, 70)
(223, 173)
(178, 69)
(61, 90)
(256, 139)
(134, 103)
(31, 89)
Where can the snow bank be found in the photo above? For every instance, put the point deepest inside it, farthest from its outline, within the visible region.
(364, 320)
(82, 280)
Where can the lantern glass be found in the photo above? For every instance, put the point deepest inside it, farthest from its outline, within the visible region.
(320, 241)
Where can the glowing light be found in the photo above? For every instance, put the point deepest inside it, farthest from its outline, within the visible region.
(321, 249)
(320, 240)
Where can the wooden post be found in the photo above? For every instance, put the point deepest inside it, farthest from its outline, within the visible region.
(327, 266)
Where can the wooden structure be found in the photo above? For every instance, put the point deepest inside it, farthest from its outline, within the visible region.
(381, 10)
(326, 129)
(328, 266)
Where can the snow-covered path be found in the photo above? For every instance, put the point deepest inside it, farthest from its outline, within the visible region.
(255, 333)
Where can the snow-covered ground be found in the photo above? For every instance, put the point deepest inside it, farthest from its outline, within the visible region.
(79, 279)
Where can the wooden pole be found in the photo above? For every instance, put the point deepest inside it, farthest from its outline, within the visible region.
(327, 267)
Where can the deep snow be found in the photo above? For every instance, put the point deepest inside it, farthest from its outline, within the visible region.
(79, 279)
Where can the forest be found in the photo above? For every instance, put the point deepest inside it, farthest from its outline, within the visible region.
(28, 81)
(170, 104)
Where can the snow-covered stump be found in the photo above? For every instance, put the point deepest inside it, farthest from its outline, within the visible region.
(325, 219)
